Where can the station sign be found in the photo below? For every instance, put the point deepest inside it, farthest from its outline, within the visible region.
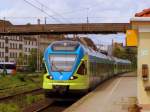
(131, 38)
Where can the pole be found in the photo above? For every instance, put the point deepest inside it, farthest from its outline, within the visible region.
(87, 15)
(38, 53)
(45, 20)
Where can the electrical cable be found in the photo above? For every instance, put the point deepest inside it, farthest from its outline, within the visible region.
(57, 20)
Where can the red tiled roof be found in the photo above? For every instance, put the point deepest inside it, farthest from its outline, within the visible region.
(144, 13)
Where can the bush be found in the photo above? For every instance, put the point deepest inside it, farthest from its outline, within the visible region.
(9, 108)
(32, 99)
(21, 78)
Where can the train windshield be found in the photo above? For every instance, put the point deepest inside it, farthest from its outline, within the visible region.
(65, 46)
(62, 62)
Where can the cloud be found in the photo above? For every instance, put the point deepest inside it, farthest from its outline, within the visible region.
(75, 11)
(97, 10)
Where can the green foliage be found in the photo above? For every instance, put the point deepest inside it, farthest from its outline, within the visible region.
(33, 59)
(20, 59)
(118, 52)
(10, 85)
(32, 99)
(9, 107)
(129, 53)
(9, 82)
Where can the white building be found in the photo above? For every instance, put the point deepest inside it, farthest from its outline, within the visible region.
(12, 47)
(2, 49)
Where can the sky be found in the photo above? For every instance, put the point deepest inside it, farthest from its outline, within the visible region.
(73, 11)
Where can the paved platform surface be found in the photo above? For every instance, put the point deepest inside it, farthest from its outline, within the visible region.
(114, 95)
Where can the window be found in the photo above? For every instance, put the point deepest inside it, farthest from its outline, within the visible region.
(3, 54)
(3, 45)
(20, 54)
(65, 46)
(82, 70)
(6, 49)
(20, 46)
(10, 45)
(62, 62)
(6, 58)
(10, 54)
(6, 40)
(13, 55)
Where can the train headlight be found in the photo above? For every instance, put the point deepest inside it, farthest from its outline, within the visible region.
(49, 77)
(71, 78)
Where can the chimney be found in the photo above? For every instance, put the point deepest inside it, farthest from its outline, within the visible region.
(38, 21)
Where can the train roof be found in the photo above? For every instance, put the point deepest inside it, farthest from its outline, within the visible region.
(118, 60)
(7, 63)
(72, 45)
(92, 52)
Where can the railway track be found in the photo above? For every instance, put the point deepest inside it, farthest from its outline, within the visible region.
(35, 91)
(38, 106)
(48, 105)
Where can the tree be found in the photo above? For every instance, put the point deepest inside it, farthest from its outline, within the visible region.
(129, 53)
(33, 59)
(20, 59)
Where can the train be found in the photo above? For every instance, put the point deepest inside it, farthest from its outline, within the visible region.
(7, 68)
(76, 68)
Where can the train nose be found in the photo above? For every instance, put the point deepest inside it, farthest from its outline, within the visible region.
(60, 89)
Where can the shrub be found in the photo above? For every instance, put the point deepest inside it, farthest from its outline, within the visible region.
(9, 108)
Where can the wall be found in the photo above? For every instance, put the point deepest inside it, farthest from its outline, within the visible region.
(143, 58)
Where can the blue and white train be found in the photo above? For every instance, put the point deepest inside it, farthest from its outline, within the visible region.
(73, 67)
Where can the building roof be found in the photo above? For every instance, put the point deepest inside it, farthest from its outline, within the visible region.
(5, 23)
(144, 13)
(140, 19)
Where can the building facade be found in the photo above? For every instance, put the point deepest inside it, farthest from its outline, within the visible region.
(141, 24)
(18, 48)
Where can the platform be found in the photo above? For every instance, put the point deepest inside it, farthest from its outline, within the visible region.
(114, 95)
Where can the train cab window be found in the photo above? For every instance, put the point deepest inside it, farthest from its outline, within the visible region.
(63, 63)
(65, 46)
(82, 70)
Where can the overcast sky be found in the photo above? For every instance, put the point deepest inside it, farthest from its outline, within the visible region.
(71, 11)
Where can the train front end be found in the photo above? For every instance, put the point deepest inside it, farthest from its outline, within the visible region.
(66, 65)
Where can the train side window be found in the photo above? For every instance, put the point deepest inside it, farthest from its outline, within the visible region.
(82, 70)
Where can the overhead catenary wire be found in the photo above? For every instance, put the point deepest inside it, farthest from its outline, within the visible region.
(56, 13)
(94, 17)
(67, 19)
(55, 19)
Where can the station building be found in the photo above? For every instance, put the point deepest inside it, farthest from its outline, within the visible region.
(141, 25)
